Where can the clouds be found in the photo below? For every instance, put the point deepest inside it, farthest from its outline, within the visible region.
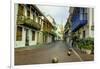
(59, 13)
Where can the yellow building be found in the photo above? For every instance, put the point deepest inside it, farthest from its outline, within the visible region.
(31, 25)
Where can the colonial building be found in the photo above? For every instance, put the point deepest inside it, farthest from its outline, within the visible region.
(54, 28)
(47, 31)
(31, 26)
(83, 22)
(60, 32)
(80, 24)
(67, 31)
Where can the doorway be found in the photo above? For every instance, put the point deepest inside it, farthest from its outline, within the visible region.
(27, 38)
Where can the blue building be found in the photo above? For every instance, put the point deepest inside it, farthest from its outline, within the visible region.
(79, 18)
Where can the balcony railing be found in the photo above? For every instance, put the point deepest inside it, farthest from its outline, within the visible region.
(22, 20)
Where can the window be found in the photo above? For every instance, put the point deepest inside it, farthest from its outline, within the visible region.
(81, 16)
(19, 34)
(85, 16)
(20, 9)
(37, 20)
(81, 10)
(33, 35)
(34, 18)
(28, 13)
(28, 10)
(83, 13)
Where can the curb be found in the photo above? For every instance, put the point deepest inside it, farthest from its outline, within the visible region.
(77, 54)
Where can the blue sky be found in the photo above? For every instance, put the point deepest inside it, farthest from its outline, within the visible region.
(59, 13)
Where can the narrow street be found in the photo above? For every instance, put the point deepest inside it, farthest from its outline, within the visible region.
(41, 38)
(45, 54)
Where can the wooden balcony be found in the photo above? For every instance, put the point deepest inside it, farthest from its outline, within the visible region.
(26, 21)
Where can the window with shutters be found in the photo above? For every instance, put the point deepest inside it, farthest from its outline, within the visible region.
(19, 34)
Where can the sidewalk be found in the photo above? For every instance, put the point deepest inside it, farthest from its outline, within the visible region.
(84, 56)
(45, 45)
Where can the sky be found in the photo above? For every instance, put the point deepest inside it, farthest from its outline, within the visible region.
(59, 13)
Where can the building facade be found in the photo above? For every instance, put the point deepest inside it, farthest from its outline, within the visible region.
(80, 24)
(60, 32)
(32, 27)
(83, 22)
(67, 32)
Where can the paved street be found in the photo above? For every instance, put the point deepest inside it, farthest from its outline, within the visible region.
(45, 54)
(84, 56)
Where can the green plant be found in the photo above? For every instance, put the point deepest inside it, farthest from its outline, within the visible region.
(86, 43)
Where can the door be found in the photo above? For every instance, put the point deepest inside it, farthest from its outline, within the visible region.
(27, 38)
(37, 37)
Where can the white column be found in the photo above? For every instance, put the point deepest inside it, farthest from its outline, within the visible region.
(15, 18)
(25, 11)
(15, 13)
(31, 13)
(90, 21)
